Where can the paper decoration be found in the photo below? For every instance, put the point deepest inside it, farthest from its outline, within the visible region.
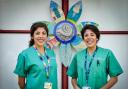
(65, 32)
(75, 12)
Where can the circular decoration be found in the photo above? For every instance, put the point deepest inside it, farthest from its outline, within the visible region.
(65, 31)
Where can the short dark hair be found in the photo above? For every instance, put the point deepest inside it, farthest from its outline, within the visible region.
(93, 28)
(33, 28)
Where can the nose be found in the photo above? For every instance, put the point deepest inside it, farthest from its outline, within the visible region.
(89, 36)
(41, 35)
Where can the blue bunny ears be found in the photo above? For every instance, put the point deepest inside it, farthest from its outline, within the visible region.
(73, 14)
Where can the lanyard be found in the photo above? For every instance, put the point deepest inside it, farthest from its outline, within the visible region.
(46, 66)
(87, 69)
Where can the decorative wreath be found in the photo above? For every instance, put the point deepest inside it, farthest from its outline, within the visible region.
(64, 32)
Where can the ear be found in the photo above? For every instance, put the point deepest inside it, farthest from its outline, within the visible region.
(75, 12)
(56, 12)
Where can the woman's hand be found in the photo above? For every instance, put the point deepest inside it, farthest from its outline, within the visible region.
(111, 83)
(74, 83)
(21, 82)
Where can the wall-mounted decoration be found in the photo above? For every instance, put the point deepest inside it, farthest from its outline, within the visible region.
(64, 31)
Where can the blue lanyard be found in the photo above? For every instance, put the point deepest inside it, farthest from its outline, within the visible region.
(46, 67)
(87, 69)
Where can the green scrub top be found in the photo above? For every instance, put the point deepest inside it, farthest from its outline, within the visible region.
(31, 67)
(104, 63)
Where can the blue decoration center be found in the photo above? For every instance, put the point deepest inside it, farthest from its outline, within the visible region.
(65, 31)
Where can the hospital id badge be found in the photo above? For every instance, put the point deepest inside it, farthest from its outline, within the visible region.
(86, 87)
(47, 85)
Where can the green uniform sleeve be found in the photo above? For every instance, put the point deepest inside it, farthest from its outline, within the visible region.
(114, 68)
(20, 66)
(72, 70)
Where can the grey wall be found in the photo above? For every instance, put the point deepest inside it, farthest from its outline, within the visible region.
(20, 14)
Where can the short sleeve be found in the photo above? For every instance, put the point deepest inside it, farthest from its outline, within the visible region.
(72, 70)
(20, 66)
(114, 67)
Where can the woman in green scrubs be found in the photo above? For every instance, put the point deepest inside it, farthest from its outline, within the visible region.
(90, 67)
(36, 66)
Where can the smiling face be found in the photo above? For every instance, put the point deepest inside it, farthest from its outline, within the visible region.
(39, 36)
(90, 38)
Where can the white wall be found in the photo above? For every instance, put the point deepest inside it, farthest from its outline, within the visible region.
(20, 14)
(109, 14)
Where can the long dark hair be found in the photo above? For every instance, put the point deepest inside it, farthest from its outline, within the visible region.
(33, 28)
